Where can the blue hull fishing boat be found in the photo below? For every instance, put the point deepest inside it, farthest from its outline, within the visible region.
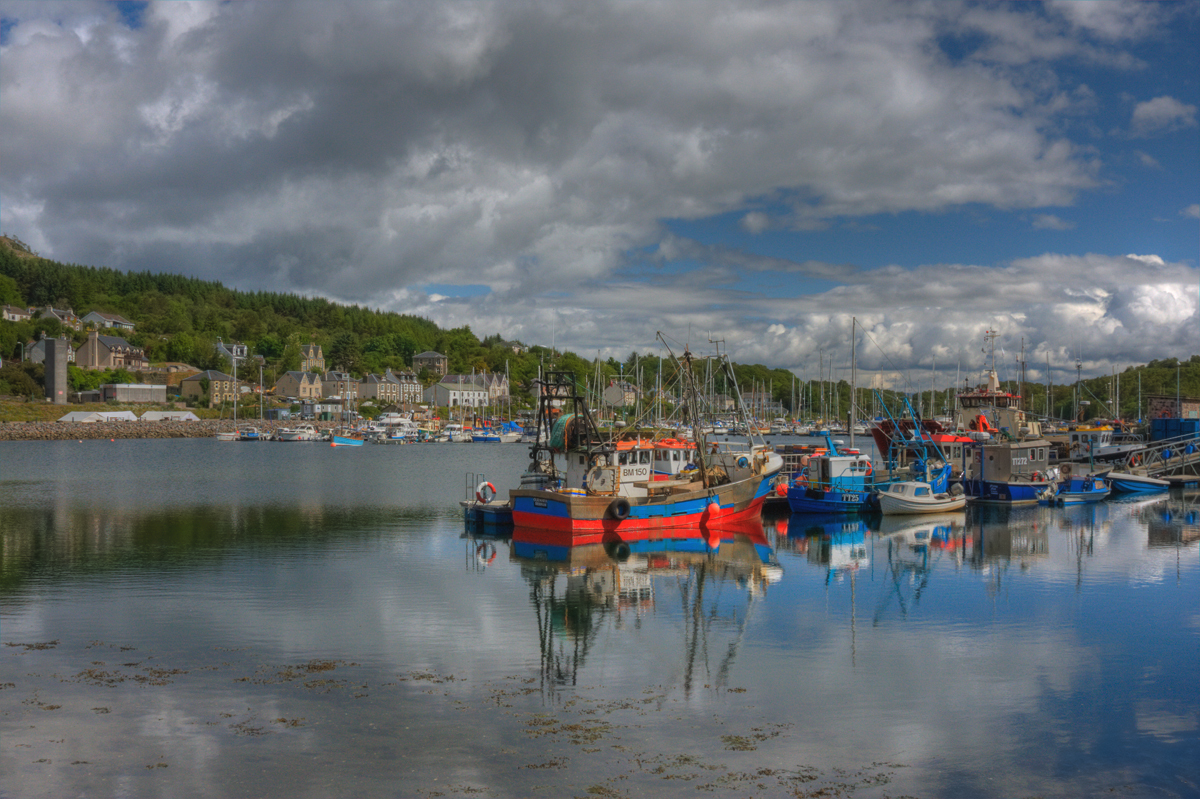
(1008, 473)
(834, 483)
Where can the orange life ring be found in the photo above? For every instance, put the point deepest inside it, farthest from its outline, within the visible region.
(870, 468)
(481, 492)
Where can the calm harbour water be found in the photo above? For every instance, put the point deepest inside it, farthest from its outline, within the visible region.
(192, 618)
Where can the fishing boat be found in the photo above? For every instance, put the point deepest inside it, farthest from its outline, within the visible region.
(584, 488)
(1007, 472)
(915, 496)
(1067, 488)
(833, 482)
(228, 435)
(1099, 444)
(1128, 483)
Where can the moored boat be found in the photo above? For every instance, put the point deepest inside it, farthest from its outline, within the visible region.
(346, 437)
(1072, 489)
(582, 488)
(914, 496)
(304, 432)
(248, 433)
(1008, 472)
(1127, 483)
(833, 482)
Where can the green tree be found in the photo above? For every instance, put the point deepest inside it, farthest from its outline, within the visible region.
(16, 381)
(344, 352)
(289, 359)
(10, 292)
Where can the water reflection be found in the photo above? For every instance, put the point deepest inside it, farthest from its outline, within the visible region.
(1173, 521)
(408, 654)
(61, 541)
(711, 582)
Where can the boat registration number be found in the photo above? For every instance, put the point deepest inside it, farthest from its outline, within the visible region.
(1020, 461)
(539, 503)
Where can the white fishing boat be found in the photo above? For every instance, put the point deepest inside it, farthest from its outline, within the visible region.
(914, 496)
(228, 435)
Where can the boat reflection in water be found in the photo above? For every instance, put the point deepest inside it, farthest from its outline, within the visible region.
(835, 541)
(1173, 521)
(579, 591)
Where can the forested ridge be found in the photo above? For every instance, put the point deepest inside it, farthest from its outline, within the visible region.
(180, 318)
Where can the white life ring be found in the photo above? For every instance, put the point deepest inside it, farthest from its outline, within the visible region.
(485, 492)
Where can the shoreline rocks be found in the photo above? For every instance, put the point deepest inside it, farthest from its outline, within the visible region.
(67, 431)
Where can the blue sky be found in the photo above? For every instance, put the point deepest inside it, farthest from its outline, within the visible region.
(590, 173)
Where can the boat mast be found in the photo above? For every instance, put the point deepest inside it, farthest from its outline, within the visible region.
(693, 407)
(853, 376)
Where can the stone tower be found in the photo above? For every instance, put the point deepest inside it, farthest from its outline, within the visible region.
(56, 370)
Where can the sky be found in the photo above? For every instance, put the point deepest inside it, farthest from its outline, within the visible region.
(586, 174)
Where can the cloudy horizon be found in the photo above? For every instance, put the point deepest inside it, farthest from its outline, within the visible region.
(589, 173)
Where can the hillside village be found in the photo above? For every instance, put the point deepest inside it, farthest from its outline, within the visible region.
(182, 336)
(314, 384)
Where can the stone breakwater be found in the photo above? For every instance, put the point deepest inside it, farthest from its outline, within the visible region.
(67, 431)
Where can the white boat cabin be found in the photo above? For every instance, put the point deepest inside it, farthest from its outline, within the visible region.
(622, 471)
(846, 472)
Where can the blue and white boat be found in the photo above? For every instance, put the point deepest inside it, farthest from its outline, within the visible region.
(834, 482)
(346, 438)
(1072, 489)
(1008, 472)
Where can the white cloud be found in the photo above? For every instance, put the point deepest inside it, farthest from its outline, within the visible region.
(1162, 114)
(1192, 210)
(1147, 160)
(363, 151)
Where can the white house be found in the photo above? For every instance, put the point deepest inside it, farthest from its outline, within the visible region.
(456, 395)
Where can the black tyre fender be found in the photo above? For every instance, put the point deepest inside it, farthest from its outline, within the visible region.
(619, 508)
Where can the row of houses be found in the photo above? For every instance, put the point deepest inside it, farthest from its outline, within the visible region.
(11, 313)
(389, 388)
(97, 352)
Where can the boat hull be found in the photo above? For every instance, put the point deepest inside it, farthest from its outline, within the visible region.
(906, 506)
(1002, 493)
(814, 500)
(553, 518)
(1123, 483)
(342, 441)
(1079, 491)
